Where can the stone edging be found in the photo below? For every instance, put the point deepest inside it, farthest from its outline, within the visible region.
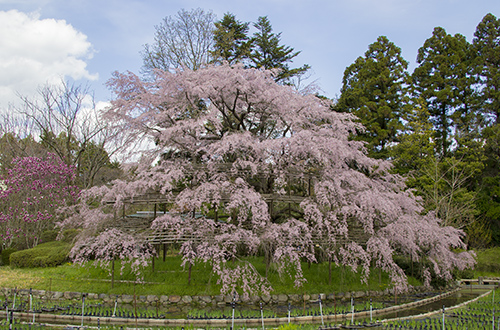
(199, 300)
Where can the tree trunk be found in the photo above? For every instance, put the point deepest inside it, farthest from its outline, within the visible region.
(266, 257)
(113, 274)
(153, 263)
(329, 271)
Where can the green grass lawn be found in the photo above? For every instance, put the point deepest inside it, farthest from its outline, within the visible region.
(488, 262)
(169, 278)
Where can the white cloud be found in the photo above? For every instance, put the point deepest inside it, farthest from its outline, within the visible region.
(37, 51)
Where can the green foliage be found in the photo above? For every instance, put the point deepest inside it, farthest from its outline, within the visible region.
(415, 148)
(289, 326)
(49, 236)
(447, 184)
(489, 189)
(373, 89)
(488, 260)
(487, 63)
(43, 255)
(444, 79)
(479, 234)
(231, 42)
(267, 53)
(6, 255)
(446, 138)
(68, 235)
(414, 269)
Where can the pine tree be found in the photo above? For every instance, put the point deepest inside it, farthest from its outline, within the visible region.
(231, 41)
(486, 44)
(415, 147)
(443, 78)
(267, 53)
(374, 90)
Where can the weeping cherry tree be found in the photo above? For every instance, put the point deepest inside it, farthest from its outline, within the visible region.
(229, 144)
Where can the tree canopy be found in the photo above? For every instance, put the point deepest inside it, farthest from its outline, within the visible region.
(231, 40)
(184, 40)
(374, 89)
(268, 53)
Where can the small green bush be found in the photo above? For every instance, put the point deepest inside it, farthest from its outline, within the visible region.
(69, 235)
(44, 255)
(49, 236)
(6, 255)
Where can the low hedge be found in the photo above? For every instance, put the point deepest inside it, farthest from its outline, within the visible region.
(49, 254)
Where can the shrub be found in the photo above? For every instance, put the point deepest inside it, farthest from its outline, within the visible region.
(6, 255)
(44, 255)
(49, 236)
(69, 235)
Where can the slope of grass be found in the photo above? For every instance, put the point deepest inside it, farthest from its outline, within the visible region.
(488, 262)
(170, 279)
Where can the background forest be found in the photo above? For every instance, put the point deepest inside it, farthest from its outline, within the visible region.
(439, 125)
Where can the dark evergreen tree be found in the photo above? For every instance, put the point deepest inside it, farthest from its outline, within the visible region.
(415, 146)
(489, 194)
(445, 81)
(267, 52)
(486, 45)
(231, 41)
(374, 90)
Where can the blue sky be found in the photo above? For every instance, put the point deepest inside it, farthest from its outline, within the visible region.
(86, 40)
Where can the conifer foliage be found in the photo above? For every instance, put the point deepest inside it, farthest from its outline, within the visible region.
(230, 142)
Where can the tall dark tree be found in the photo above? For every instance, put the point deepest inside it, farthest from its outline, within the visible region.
(489, 194)
(268, 53)
(415, 145)
(374, 90)
(444, 79)
(486, 44)
(231, 41)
